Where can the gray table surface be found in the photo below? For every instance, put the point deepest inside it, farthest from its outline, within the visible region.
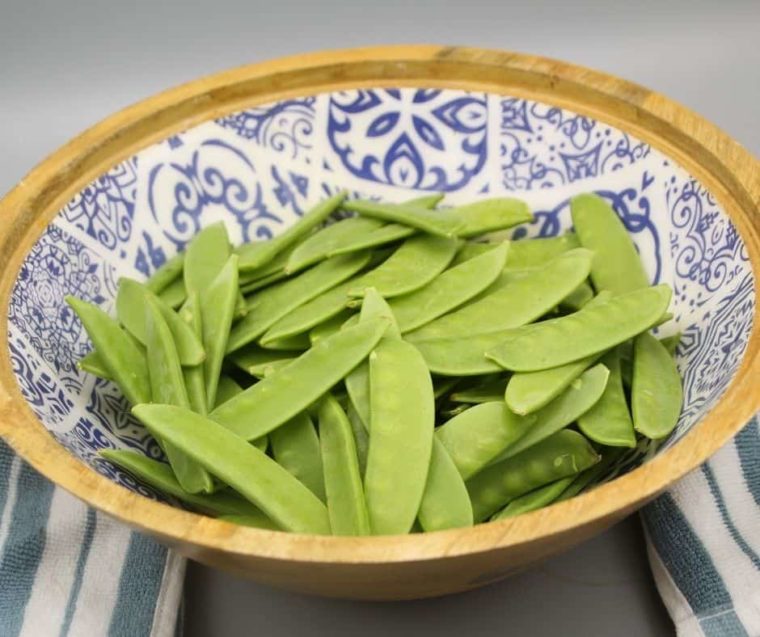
(66, 65)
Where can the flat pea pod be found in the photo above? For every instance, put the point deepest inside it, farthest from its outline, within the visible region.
(170, 271)
(532, 253)
(120, 355)
(591, 330)
(592, 476)
(461, 356)
(167, 386)
(295, 446)
(445, 502)
(470, 250)
(195, 382)
(160, 476)
(608, 422)
(130, 308)
(389, 233)
(259, 362)
(411, 215)
(276, 302)
(296, 342)
(361, 437)
(656, 394)
(205, 256)
(563, 454)
(477, 436)
(258, 521)
(275, 266)
(263, 282)
(226, 389)
(449, 290)
(283, 394)
(579, 297)
(418, 261)
(617, 266)
(534, 500)
(92, 364)
(357, 382)
(402, 410)
(322, 243)
(252, 473)
(671, 342)
(258, 254)
(519, 302)
(217, 309)
(488, 215)
(329, 327)
(492, 390)
(566, 408)
(174, 294)
(346, 504)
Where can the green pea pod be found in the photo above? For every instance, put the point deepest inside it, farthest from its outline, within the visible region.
(579, 297)
(449, 290)
(656, 395)
(160, 476)
(258, 478)
(361, 437)
(519, 302)
(346, 504)
(271, 305)
(169, 272)
(563, 454)
(534, 500)
(445, 501)
(275, 266)
(477, 436)
(470, 250)
(121, 356)
(671, 342)
(195, 382)
(418, 261)
(295, 446)
(93, 364)
(492, 390)
(488, 215)
(226, 389)
(617, 266)
(389, 233)
(462, 356)
(174, 294)
(259, 362)
(259, 521)
(592, 476)
(263, 283)
(167, 386)
(403, 416)
(589, 331)
(130, 308)
(533, 253)
(329, 327)
(411, 215)
(217, 309)
(566, 408)
(280, 396)
(205, 257)
(258, 254)
(608, 422)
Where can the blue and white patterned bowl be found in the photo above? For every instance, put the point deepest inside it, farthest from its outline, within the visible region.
(259, 168)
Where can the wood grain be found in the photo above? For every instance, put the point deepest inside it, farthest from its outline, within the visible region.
(384, 567)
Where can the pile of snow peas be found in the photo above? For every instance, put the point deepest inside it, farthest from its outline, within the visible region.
(401, 369)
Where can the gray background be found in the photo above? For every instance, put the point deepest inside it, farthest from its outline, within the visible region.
(66, 64)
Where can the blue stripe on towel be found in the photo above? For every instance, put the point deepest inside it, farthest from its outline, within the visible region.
(23, 548)
(138, 589)
(6, 459)
(724, 624)
(748, 447)
(84, 552)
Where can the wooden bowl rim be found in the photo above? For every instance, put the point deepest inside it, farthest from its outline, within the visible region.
(730, 172)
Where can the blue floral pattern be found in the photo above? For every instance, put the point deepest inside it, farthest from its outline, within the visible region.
(260, 169)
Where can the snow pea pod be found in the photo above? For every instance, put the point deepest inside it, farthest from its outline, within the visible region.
(617, 266)
(329, 327)
(492, 390)
(449, 290)
(174, 294)
(608, 422)
(445, 502)
(272, 304)
(167, 386)
(249, 471)
(346, 504)
(389, 233)
(591, 330)
(519, 302)
(402, 410)
(262, 283)
(93, 364)
(537, 499)
(579, 297)
(477, 436)
(206, 255)
(671, 342)
(160, 476)
(120, 355)
(257, 521)
(130, 308)
(563, 454)
(488, 215)
(169, 272)
(418, 261)
(361, 437)
(195, 382)
(532, 253)
(471, 250)
(462, 356)
(258, 254)
(226, 389)
(297, 342)
(283, 394)
(656, 395)
(411, 215)
(295, 446)
(260, 362)
(217, 308)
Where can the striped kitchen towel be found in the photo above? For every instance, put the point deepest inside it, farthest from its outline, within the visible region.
(68, 571)
(704, 543)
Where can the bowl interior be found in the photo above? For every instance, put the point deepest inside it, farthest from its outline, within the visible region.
(259, 169)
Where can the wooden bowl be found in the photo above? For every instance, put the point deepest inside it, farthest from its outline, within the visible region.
(92, 172)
